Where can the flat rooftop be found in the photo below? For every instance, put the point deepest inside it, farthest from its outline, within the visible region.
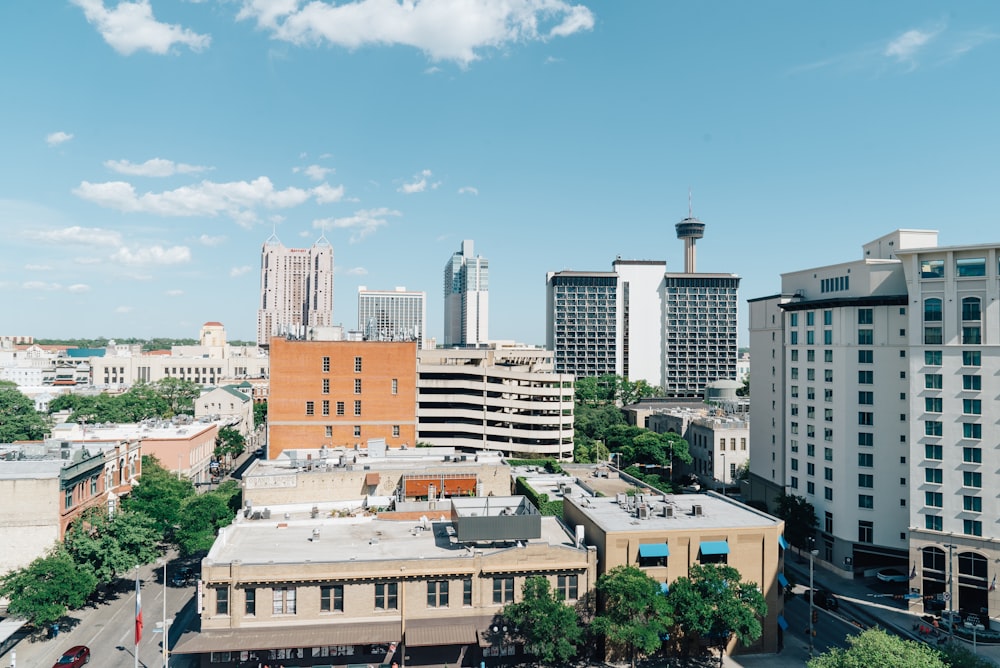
(302, 538)
(387, 459)
(613, 513)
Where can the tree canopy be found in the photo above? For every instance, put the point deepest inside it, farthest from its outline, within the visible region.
(800, 519)
(875, 647)
(43, 591)
(159, 494)
(549, 629)
(19, 421)
(111, 546)
(712, 604)
(204, 514)
(636, 614)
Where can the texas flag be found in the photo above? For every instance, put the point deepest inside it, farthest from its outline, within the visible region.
(993, 585)
(913, 573)
(138, 610)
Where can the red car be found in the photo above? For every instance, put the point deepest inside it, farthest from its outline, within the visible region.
(74, 657)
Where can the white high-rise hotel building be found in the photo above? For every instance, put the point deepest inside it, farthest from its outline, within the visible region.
(466, 298)
(677, 331)
(874, 394)
(392, 315)
(296, 289)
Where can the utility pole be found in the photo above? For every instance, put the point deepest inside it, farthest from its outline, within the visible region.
(812, 593)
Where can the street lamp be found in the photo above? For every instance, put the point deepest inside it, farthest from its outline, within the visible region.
(974, 627)
(951, 595)
(617, 455)
(812, 592)
(165, 624)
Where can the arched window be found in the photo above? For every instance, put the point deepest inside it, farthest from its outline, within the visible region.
(932, 310)
(934, 559)
(972, 564)
(971, 309)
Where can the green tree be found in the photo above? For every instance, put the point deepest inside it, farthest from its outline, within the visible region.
(875, 647)
(19, 421)
(712, 604)
(112, 546)
(178, 393)
(631, 392)
(800, 519)
(636, 614)
(549, 629)
(960, 656)
(259, 414)
(43, 591)
(229, 442)
(159, 494)
(204, 515)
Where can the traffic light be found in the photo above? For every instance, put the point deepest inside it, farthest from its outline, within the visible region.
(815, 616)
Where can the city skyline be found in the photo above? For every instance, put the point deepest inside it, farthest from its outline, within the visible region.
(152, 147)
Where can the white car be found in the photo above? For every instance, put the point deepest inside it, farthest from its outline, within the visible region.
(891, 575)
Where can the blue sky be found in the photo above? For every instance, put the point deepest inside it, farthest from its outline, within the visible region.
(148, 148)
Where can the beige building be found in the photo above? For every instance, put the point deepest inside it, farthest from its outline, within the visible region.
(229, 403)
(307, 590)
(664, 535)
(717, 443)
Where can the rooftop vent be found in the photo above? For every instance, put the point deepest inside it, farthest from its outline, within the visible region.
(696, 510)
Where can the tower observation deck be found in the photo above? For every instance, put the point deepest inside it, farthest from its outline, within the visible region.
(690, 229)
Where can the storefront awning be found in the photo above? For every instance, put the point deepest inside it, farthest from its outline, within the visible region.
(782, 580)
(440, 632)
(371, 479)
(715, 547)
(315, 635)
(654, 550)
(782, 542)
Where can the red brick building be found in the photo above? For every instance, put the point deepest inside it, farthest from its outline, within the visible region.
(341, 393)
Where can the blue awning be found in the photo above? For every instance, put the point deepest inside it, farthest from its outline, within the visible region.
(654, 550)
(715, 547)
(782, 580)
(664, 588)
(782, 542)
(782, 623)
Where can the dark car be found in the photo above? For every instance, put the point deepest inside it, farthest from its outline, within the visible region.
(824, 599)
(74, 657)
(259, 452)
(182, 577)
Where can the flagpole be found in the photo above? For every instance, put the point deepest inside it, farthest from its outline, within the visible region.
(137, 622)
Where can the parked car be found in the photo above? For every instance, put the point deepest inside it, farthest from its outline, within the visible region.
(891, 575)
(823, 599)
(259, 452)
(74, 657)
(182, 577)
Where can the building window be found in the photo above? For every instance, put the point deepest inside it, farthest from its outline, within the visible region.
(972, 406)
(828, 317)
(866, 531)
(972, 527)
(973, 504)
(340, 408)
(357, 386)
(437, 594)
(357, 431)
(932, 357)
(328, 431)
(793, 482)
(970, 266)
(810, 487)
(503, 590)
(357, 365)
(326, 386)
(567, 587)
(866, 316)
(932, 310)
(283, 601)
(794, 338)
(326, 407)
(866, 501)
(828, 375)
(865, 337)
(866, 439)
(827, 473)
(934, 476)
(935, 452)
(933, 523)
(866, 480)
(866, 418)
(69, 498)
(933, 499)
(866, 377)
(222, 600)
(972, 383)
(810, 468)
(972, 479)
(794, 319)
(972, 336)
(866, 398)
(972, 455)
(933, 404)
(933, 336)
(250, 602)
(828, 356)
(467, 592)
(933, 428)
(395, 386)
(866, 356)
(357, 407)
(385, 592)
(326, 365)
(395, 431)
(310, 408)
(972, 358)
(331, 598)
(828, 522)
(933, 381)
(866, 459)
(972, 430)
(810, 318)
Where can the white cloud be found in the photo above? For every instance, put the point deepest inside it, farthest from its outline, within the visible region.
(88, 260)
(89, 236)
(56, 138)
(314, 172)
(237, 199)
(905, 47)
(123, 309)
(419, 183)
(77, 288)
(152, 255)
(361, 224)
(37, 267)
(442, 29)
(174, 293)
(131, 27)
(236, 272)
(468, 190)
(206, 240)
(153, 167)
(357, 271)
(41, 285)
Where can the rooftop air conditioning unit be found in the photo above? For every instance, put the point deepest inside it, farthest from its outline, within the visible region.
(696, 510)
(668, 511)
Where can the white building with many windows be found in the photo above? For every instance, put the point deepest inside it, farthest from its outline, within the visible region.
(392, 315)
(296, 289)
(466, 298)
(871, 380)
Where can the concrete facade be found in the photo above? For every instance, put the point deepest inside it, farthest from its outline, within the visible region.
(296, 289)
(341, 393)
(392, 315)
(718, 443)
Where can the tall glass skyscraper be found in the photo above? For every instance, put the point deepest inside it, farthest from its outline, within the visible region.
(466, 298)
